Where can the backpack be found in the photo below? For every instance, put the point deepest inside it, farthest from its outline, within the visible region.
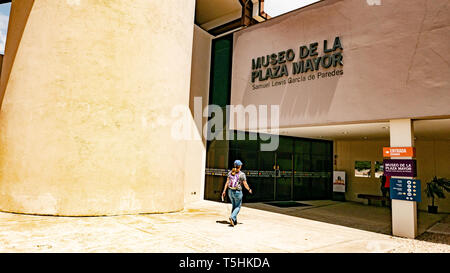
(234, 181)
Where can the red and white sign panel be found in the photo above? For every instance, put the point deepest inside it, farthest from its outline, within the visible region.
(399, 152)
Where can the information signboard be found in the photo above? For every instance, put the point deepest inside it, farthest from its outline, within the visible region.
(405, 189)
(400, 167)
(339, 181)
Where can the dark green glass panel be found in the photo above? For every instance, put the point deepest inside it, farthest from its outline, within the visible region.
(318, 163)
(302, 188)
(263, 187)
(319, 188)
(302, 162)
(286, 144)
(220, 83)
(319, 148)
(284, 177)
(246, 142)
(249, 158)
(302, 146)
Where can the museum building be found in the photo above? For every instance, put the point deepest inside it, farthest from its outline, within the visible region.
(350, 78)
(88, 91)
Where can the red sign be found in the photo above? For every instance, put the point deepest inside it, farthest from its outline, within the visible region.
(399, 152)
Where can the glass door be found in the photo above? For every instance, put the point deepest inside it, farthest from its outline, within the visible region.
(302, 170)
(263, 186)
(283, 184)
(302, 179)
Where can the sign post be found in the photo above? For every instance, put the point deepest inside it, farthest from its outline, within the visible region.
(404, 211)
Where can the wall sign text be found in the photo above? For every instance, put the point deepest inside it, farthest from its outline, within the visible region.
(306, 59)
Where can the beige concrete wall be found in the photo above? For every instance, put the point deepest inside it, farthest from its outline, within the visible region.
(18, 18)
(85, 125)
(433, 157)
(395, 59)
(200, 75)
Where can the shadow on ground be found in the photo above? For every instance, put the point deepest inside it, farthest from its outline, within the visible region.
(223, 222)
(434, 238)
(227, 223)
(438, 233)
(355, 215)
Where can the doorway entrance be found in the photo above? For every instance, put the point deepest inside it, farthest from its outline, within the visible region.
(300, 169)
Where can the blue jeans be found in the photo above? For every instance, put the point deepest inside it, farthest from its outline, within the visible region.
(236, 200)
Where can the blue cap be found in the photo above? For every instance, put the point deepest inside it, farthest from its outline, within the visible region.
(237, 163)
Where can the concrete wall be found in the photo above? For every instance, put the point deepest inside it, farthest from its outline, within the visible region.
(86, 120)
(195, 166)
(18, 18)
(433, 157)
(395, 58)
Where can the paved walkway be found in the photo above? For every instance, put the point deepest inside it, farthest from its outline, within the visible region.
(201, 227)
(350, 214)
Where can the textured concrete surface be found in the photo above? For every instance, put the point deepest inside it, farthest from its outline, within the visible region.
(201, 227)
(86, 124)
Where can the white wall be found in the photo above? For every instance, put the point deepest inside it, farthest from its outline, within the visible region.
(395, 58)
(196, 151)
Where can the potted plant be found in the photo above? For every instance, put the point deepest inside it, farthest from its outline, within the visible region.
(435, 189)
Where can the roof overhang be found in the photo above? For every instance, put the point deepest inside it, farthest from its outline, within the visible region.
(220, 16)
(213, 13)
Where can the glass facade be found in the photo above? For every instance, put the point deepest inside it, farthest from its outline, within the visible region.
(300, 169)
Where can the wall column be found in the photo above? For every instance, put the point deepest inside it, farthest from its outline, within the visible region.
(86, 120)
(404, 213)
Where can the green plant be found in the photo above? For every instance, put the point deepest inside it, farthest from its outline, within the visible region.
(436, 187)
(362, 165)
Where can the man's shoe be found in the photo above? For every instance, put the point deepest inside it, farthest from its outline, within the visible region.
(231, 222)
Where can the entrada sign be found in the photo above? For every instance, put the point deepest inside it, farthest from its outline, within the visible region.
(275, 65)
(399, 152)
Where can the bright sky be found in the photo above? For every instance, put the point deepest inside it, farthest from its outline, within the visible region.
(278, 7)
(4, 18)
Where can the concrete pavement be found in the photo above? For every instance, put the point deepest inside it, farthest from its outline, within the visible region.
(201, 227)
